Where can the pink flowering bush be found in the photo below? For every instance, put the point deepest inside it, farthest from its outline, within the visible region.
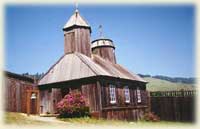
(73, 105)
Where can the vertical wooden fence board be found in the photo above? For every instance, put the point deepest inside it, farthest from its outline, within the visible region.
(15, 92)
(18, 100)
(174, 105)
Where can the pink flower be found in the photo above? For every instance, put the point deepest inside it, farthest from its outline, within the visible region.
(71, 103)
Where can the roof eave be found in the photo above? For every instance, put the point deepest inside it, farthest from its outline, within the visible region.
(75, 27)
(91, 79)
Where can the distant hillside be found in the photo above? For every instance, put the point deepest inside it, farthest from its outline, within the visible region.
(156, 83)
(171, 79)
(163, 85)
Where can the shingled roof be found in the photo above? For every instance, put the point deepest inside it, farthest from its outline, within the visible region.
(74, 66)
(76, 20)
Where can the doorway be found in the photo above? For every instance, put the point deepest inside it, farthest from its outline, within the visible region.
(32, 105)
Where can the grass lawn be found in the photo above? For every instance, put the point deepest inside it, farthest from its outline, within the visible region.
(22, 119)
(87, 120)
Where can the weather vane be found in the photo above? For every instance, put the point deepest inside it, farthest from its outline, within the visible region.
(76, 5)
(101, 31)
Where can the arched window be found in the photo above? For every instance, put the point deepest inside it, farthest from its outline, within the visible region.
(127, 94)
(112, 94)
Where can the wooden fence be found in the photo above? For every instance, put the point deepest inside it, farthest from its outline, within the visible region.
(15, 92)
(173, 105)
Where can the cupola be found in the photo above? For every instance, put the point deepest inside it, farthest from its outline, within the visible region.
(104, 47)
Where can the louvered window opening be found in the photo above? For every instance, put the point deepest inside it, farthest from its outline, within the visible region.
(139, 100)
(127, 94)
(112, 94)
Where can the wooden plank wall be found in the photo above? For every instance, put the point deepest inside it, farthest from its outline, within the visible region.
(106, 53)
(15, 94)
(124, 114)
(48, 100)
(44, 101)
(93, 93)
(90, 91)
(57, 96)
(121, 110)
(121, 99)
(78, 40)
(174, 105)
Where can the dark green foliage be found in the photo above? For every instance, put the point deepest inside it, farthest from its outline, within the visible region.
(36, 76)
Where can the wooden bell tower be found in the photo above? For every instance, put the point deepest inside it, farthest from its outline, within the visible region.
(77, 35)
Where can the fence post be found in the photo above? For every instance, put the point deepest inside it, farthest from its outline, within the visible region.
(149, 101)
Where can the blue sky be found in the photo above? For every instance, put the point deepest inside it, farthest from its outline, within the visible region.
(156, 40)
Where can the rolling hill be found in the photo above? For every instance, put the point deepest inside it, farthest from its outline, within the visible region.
(156, 83)
(163, 85)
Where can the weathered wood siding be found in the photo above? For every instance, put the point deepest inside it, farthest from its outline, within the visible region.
(122, 110)
(132, 114)
(16, 94)
(121, 97)
(174, 105)
(107, 53)
(90, 91)
(98, 99)
(50, 97)
(48, 100)
(77, 40)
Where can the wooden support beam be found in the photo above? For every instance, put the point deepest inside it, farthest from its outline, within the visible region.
(38, 102)
(149, 102)
(28, 102)
(100, 99)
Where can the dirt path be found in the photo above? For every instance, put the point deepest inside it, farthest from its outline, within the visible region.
(46, 119)
(52, 121)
